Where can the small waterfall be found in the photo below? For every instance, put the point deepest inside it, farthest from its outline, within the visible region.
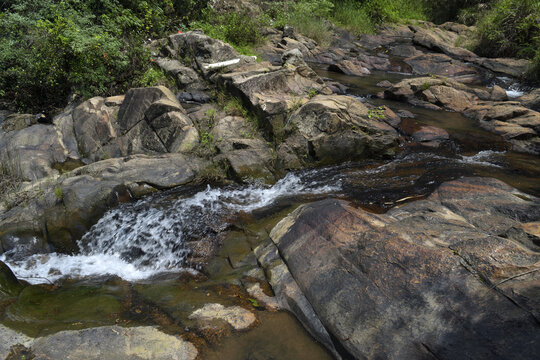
(137, 240)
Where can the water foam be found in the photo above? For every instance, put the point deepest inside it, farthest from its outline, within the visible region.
(138, 240)
(484, 157)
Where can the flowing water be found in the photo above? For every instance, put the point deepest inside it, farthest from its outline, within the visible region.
(146, 256)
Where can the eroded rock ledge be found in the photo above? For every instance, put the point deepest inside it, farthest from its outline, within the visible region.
(452, 276)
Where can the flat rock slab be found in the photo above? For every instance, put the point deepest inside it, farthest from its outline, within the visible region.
(113, 342)
(450, 277)
(239, 318)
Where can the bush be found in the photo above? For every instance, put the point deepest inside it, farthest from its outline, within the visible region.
(241, 30)
(450, 10)
(308, 17)
(53, 48)
(364, 16)
(510, 29)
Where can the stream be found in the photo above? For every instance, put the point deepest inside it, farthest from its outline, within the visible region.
(153, 261)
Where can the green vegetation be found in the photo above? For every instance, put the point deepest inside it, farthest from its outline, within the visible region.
(241, 30)
(362, 17)
(51, 49)
(59, 193)
(11, 179)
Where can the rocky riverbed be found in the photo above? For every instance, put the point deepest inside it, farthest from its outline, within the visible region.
(384, 191)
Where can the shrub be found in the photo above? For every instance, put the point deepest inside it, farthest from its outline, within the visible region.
(449, 10)
(241, 30)
(510, 28)
(308, 17)
(53, 48)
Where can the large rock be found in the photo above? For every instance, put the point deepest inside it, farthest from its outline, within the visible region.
(442, 40)
(9, 284)
(60, 210)
(440, 64)
(33, 152)
(114, 342)
(274, 92)
(145, 121)
(512, 67)
(452, 276)
(531, 100)
(331, 129)
(245, 151)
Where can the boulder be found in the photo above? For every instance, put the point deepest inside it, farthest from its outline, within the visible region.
(186, 78)
(237, 317)
(60, 210)
(18, 122)
(334, 128)
(245, 151)
(94, 125)
(441, 40)
(446, 277)
(506, 66)
(113, 342)
(349, 67)
(137, 101)
(9, 284)
(498, 94)
(439, 64)
(273, 93)
(34, 152)
(531, 100)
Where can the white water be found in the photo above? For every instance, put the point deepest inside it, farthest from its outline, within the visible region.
(483, 158)
(138, 240)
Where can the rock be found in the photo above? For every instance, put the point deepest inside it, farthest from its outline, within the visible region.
(498, 94)
(331, 129)
(430, 136)
(114, 342)
(441, 277)
(186, 78)
(18, 122)
(349, 67)
(449, 97)
(11, 338)
(248, 155)
(239, 318)
(405, 51)
(86, 193)
(9, 284)
(384, 84)
(439, 64)
(33, 152)
(531, 100)
(289, 295)
(175, 131)
(512, 67)
(269, 302)
(203, 51)
(137, 101)
(441, 40)
(405, 114)
(94, 125)
(374, 63)
(274, 92)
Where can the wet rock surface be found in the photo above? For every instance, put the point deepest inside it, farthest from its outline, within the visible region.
(333, 129)
(448, 276)
(113, 342)
(517, 124)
